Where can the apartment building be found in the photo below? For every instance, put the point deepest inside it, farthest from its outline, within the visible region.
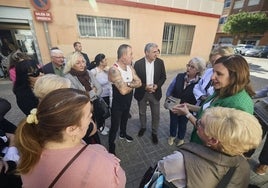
(182, 29)
(234, 7)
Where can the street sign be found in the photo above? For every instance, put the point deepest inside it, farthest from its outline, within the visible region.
(43, 16)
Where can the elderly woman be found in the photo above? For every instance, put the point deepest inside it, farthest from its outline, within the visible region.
(231, 81)
(76, 71)
(81, 78)
(226, 133)
(48, 83)
(182, 87)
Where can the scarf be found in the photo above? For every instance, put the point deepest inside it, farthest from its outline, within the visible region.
(83, 78)
(192, 81)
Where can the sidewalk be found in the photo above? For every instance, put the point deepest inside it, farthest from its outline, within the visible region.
(137, 156)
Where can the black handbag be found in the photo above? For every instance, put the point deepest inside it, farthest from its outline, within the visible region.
(101, 109)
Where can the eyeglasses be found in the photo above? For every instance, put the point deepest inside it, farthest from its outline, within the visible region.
(198, 124)
(190, 66)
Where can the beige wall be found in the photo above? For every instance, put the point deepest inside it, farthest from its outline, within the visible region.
(146, 25)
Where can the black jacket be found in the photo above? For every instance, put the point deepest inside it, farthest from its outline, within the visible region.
(159, 77)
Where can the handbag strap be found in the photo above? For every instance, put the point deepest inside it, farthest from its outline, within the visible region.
(66, 166)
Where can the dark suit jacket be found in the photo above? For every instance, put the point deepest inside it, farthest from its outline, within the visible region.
(48, 69)
(89, 65)
(159, 77)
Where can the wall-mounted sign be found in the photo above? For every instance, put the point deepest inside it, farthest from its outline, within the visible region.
(41, 4)
(43, 16)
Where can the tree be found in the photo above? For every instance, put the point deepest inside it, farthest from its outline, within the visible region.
(245, 23)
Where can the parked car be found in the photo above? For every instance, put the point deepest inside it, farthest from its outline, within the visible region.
(242, 48)
(257, 51)
(264, 52)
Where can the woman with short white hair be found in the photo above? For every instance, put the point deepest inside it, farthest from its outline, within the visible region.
(182, 88)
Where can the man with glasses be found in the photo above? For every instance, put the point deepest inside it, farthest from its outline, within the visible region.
(57, 63)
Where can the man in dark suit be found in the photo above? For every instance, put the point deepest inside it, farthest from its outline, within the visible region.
(152, 73)
(78, 48)
(57, 63)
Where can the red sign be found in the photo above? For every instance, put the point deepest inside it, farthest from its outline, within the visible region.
(43, 16)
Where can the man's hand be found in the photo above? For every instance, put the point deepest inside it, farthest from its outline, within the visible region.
(151, 88)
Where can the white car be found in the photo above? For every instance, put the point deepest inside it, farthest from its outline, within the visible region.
(242, 48)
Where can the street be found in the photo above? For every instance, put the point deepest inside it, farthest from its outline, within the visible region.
(137, 156)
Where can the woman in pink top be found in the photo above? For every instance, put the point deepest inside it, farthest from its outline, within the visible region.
(52, 134)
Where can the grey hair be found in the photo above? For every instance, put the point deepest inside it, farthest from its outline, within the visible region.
(55, 51)
(200, 63)
(149, 46)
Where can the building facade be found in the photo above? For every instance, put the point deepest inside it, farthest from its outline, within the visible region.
(234, 7)
(182, 29)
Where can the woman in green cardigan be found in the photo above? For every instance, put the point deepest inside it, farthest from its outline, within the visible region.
(231, 81)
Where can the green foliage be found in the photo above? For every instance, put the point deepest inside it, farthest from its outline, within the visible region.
(245, 23)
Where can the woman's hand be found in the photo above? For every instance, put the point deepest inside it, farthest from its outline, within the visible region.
(3, 166)
(180, 109)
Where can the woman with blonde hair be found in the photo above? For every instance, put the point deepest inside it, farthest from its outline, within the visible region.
(227, 133)
(50, 145)
(48, 83)
(76, 71)
(81, 78)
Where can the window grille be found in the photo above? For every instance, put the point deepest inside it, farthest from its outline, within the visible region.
(177, 39)
(101, 27)
(253, 2)
(238, 4)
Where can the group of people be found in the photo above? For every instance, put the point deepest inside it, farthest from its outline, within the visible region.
(61, 121)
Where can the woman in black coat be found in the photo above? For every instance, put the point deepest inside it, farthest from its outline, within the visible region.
(27, 71)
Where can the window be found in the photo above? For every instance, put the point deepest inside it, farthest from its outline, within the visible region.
(177, 39)
(90, 26)
(223, 20)
(227, 3)
(253, 2)
(238, 4)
